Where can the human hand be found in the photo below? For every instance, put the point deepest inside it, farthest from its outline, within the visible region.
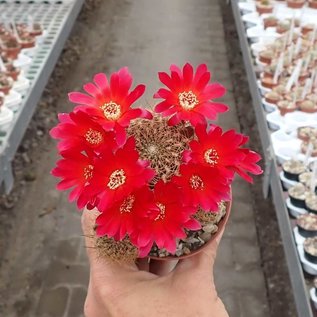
(155, 289)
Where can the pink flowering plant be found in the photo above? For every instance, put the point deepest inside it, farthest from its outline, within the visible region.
(157, 178)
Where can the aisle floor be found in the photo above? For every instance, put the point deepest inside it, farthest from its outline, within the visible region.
(147, 36)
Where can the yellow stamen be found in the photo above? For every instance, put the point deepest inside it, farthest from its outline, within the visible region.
(116, 179)
(188, 100)
(111, 110)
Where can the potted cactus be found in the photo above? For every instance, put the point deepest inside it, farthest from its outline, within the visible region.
(160, 179)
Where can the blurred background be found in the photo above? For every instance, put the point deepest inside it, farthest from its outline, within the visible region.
(264, 52)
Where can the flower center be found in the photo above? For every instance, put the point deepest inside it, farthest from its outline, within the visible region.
(152, 149)
(93, 137)
(116, 179)
(188, 100)
(127, 204)
(88, 170)
(211, 157)
(196, 182)
(161, 215)
(111, 110)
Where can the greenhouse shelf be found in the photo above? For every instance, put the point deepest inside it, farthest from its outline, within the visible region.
(300, 291)
(57, 18)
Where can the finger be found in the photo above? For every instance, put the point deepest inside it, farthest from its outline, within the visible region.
(143, 264)
(162, 268)
(88, 222)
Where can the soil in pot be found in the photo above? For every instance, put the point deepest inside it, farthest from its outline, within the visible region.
(311, 202)
(307, 225)
(293, 168)
(264, 6)
(306, 133)
(5, 84)
(11, 47)
(310, 249)
(27, 41)
(272, 97)
(286, 106)
(305, 178)
(304, 146)
(308, 106)
(297, 195)
(37, 29)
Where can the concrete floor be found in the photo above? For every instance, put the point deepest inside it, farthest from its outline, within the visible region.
(47, 273)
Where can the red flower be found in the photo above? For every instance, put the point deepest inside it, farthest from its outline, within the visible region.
(165, 225)
(118, 174)
(125, 216)
(111, 103)
(76, 170)
(222, 151)
(202, 186)
(78, 131)
(189, 95)
(248, 164)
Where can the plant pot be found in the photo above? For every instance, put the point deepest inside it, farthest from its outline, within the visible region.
(268, 82)
(312, 4)
(295, 4)
(270, 23)
(36, 31)
(262, 9)
(285, 110)
(27, 43)
(309, 246)
(221, 225)
(305, 136)
(307, 225)
(14, 73)
(292, 169)
(11, 52)
(6, 89)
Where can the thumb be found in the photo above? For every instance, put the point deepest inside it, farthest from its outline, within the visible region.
(88, 222)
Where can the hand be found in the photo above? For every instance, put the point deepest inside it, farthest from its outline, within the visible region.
(155, 289)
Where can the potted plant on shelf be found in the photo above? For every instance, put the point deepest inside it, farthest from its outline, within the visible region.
(295, 4)
(10, 47)
(160, 179)
(312, 4)
(264, 6)
(5, 83)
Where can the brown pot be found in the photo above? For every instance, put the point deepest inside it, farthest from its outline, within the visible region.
(265, 60)
(306, 29)
(314, 110)
(11, 52)
(221, 225)
(27, 44)
(295, 4)
(271, 100)
(264, 9)
(312, 4)
(6, 89)
(269, 23)
(284, 111)
(267, 82)
(14, 75)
